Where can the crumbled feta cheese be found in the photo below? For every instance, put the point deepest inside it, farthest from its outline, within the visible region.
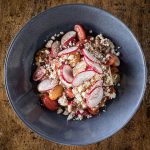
(75, 91)
(47, 51)
(53, 74)
(90, 31)
(80, 117)
(61, 60)
(70, 43)
(71, 57)
(65, 113)
(53, 38)
(81, 111)
(118, 84)
(89, 116)
(83, 94)
(63, 101)
(83, 104)
(112, 95)
(118, 53)
(92, 39)
(49, 44)
(80, 88)
(70, 116)
(59, 111)
(78, 97)
(69, 108)
(61, 33)
(58, 35)
(87, 84)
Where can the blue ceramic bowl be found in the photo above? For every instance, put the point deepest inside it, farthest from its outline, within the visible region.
(48, 124)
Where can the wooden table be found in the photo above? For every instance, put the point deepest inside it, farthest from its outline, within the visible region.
(14, 135)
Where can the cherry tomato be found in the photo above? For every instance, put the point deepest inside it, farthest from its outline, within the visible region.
(69, 93)
(48, 103)
(39, 73)
(80, 32)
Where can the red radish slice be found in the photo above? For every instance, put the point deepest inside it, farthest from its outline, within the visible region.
(80, 66)
(96, 67)
(65, 83)
(89, 56)
(80, 32)
(69, 36)
(66, 72)
(68, 50)
(82, 77)
(39, 73)
(55, 49)
(95, 97)
(97, 84)
(46, 85)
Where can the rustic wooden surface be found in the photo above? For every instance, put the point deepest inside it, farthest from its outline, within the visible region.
(14, 135)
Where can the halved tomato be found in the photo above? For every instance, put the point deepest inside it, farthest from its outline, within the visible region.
(48, 103)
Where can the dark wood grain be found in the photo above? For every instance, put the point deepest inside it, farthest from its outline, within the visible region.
(14, 135)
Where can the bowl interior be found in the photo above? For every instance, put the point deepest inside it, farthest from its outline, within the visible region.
(55, 127)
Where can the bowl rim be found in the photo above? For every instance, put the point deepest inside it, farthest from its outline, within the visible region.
(36, 130)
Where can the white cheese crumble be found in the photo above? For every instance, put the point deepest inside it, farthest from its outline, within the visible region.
(49, 44)
(70, 116)
(59, 111)
(53, 38)
(65, 113)
(63, 101)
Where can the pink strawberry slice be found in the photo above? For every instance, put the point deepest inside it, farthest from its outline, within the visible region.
(95, 97)
(69, 36)
(89, 56)
(82, 77)
(39, 73)
(96, 67)
(68, 51)
(55, 49)
(46, 85)
(66, 73)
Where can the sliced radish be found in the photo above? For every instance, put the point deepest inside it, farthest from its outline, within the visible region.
(89, 56)
(39, 73)
(96, 67)
(66, 73)
(80, 66)
(55, 49)
(65, 83)
(68, 50)
(69, 36)
(46, 85)
(97, 84)
(95, 97)
(82, 77)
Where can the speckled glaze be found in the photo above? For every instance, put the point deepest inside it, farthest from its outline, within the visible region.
(55, 127)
